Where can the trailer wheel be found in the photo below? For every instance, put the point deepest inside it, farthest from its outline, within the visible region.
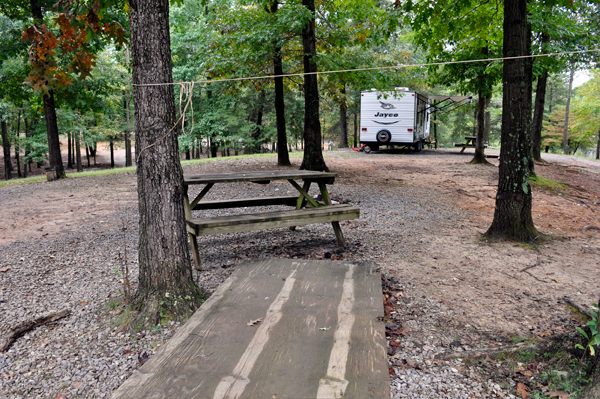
(418, 146)
(384, 136)
(367, 149)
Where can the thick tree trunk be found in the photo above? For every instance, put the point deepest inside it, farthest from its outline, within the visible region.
(54, 156)
(78, 151)
(6, 148)
(512, 216)
(538, 112)
(566, 149)
(313, 155)
(166, 282)
(283, 157)
(344, 120)
(479, 141)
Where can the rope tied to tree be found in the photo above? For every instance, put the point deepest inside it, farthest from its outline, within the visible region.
(185, 97)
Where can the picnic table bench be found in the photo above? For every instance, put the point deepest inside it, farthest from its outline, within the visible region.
(307, 210)
(469, 143)
(277, 329)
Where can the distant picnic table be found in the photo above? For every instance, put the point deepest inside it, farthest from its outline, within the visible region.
(307, 210)
(469, 143)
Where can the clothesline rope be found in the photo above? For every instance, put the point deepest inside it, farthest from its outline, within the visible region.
(400, 66)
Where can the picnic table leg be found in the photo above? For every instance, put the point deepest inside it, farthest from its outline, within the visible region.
(193, 241)
(301, 199)
(336, 225)
(463, 149)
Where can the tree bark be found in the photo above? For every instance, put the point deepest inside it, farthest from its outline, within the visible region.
(538, 113)
(54, 156)
(87, 153)
(344, 120)
(488, 122)
(598, 146)
(479, 141)
(356, 130)
(78, 151)
(6, 148)
(283, 157)
(566, 149)
(112, 153)
(69, 152)
(512, 215)
(166, 282)
(313, 155)
(17, 146)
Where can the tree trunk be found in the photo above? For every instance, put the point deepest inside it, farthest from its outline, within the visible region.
(93, 151)
(69, 152)
(6, 148)
(512, 215)
(78, 151)
(479, 141)
(166, 282)
(283, 157)
(112, 153)
(598, 146)
(128, 157)
(54, 156)
(313, 155)
(566, 127)
(488, 122)
(344, 120)
(17, 146)
(356, 130)
(538, 113)
(87, 153)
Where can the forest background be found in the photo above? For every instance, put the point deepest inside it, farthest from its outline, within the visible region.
(214, 42)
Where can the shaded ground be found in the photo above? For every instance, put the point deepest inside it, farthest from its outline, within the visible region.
(422, 216)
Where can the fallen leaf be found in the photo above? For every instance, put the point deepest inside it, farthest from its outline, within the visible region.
(5, 269)
(559, 394)
(398, 294)
(127, 352)
(522, 390)
(253, 322)
(325, 328)
(143, 358)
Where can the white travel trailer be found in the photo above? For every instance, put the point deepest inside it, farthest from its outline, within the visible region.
(399, 118)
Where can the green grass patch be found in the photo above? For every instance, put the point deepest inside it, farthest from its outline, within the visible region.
(548, 184)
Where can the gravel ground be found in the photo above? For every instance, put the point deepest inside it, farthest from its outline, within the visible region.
(89, 355)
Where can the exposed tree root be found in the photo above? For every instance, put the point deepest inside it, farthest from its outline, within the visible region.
(29, 325)
(551, 344)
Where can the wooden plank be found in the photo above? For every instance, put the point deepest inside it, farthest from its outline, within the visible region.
(247, 202)
(260, 176)
(216, 355)
(270, 220)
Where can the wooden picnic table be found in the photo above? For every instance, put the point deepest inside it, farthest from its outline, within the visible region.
(469, 143)
(307, 210)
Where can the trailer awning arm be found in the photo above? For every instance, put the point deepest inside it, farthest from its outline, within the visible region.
(446, 103)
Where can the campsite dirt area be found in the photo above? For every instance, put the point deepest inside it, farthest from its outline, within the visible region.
(422, 219)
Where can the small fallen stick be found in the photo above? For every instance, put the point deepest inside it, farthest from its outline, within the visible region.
(29, 325)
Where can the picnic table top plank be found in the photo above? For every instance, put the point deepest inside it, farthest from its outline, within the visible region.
(259, 176)
(216, 350)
